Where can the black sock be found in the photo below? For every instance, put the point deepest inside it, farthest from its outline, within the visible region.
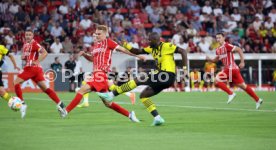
(154, 113)
(115, 93)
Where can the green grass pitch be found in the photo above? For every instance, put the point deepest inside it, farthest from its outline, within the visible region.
(194, 121)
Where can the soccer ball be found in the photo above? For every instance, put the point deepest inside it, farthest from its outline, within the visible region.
(15, 103)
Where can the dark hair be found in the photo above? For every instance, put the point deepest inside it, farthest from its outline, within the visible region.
(56, 58)
(220, 33)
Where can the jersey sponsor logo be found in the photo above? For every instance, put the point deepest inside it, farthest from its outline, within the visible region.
(222, 56)
(98, 50)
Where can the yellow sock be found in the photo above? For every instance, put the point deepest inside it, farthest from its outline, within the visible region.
(148, 104)
(130, 85)
(85, 98)
(6, 96)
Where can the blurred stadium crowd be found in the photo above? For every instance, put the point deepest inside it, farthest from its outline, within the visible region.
(67, 26)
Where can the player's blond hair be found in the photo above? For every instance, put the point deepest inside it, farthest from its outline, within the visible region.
(102, 27)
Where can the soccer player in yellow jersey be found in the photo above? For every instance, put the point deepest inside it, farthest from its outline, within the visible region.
(5, 52)
(162, 78)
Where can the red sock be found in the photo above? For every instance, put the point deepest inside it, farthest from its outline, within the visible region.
(74, 102)
(250, 92)
(119, 109)
(52, 95)
(18, 91)
(223, 86)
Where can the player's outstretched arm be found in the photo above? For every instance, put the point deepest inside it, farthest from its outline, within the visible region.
(214, 60)
(13, 62)
(87, 56)
(239, 51)
(126, 51)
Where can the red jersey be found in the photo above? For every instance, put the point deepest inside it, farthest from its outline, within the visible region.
(102, 52)
(225, 54)
(31, 52)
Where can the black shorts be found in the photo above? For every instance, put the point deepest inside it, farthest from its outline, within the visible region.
(1, 81)
(160, 81)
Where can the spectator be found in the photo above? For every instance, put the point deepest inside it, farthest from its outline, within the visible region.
(157, 29)
(78, 71)
(56, 66)
(134, 42)
(204, 46)
(236, 16)
(272, 15)
(3, 6)
(183, 43)
(171, 9)
(217, 11)
(207, 8)
(9, 40)
(14, 7)
(86, 22)
(44, 17)
(87, 39)
(56, 47)
(70, 67)
(56, 30)
(257, 24)
(268, 24)
(67, 45)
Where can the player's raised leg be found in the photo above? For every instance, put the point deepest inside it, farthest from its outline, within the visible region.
(251, 93)
(131, 95)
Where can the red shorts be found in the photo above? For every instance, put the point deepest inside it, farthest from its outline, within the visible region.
(231, 75)
(98, 82)
(34, 73)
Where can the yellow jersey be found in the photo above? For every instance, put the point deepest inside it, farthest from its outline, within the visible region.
(164, 56)
(3, 51)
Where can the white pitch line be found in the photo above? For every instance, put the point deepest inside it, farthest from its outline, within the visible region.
(176, 106)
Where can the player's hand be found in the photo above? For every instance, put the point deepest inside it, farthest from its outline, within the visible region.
(81, 53)
(241, 65)
(143, 58)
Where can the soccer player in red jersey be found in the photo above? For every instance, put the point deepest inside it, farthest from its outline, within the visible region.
(101, 58)
(231, 71)
(33, 53)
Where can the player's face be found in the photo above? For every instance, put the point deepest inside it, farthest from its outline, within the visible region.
(220, 38)
(100, 35)
(29, 36)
